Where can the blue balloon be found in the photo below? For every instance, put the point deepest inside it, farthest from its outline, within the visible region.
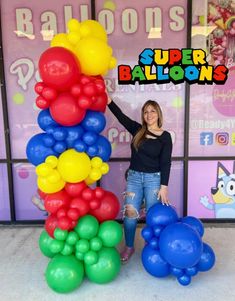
(74, 133)
(48, 140)
(45, 120)
(177, 272)
(207, 259)
(153, 262)
(153, 243)
(147, 233)
(80, 146)
(104, 148)
(60, 147)
(157, 230)
(195, 223)
(92, 151)
(192, 271)
(180, 245)
(184, 280)
(161, 215)
(94, 121)
(90, 138)
(37, 151)
(60, 133)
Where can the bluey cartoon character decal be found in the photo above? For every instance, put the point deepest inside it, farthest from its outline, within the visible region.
(223, 195)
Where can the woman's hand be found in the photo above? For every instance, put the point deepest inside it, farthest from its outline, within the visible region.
(109, 99)
(163, 195)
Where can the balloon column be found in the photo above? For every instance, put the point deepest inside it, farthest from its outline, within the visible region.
(174, 246)
(70, 154)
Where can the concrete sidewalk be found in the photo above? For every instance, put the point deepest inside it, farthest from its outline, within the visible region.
(22, 268)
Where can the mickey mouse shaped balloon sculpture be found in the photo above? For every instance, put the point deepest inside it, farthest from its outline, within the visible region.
(174, 246)
(70, 154)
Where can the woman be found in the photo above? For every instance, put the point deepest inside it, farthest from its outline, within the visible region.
(149, 170)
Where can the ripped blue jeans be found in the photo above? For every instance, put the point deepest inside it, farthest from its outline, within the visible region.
(140, 185)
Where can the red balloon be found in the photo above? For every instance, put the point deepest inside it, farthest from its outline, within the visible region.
(90, 89)
(73, 224)
(81, 205)
(54, 201)
(99, 103)
(88, 194)
(64, 223)
(95, 203)
(50, 224)
(84, 102)
(49, 93)
(59, 68)
(99, 192)
(66, 111)
(62, 212)
(73, 214)
(84, 79)
(42, 103)
(38, 88)
(108, 209)
(75, 189)
(76, 90)
(100, 86)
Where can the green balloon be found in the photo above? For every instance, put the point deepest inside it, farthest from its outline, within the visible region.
(79, 255)
(87, 227)
(72, 238)
(56, 246)
(91, 257)
(106, 268)
(60, 234)
(67, 250)
(64, 273)
(96, 244)
(44, 244)
(82, 246)
(111, 233)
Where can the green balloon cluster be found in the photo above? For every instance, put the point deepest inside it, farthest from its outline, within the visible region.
(91, 246)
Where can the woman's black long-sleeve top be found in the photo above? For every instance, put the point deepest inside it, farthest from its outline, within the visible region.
(153, 155)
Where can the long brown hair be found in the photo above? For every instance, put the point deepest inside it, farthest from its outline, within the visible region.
(140, 135)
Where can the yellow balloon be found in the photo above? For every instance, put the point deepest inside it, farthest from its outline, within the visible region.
(54, 176)
(96, 162)
(43, 170)
(89, 181)
(45, 185)
(73, 37)
(74, 166)
(104, 168)
(73, 25)
(92, 28)
(61, 40)
(94, 56)
(52, 161)
(95, 174)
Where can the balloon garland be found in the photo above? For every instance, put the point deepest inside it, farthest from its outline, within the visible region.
(70, 154)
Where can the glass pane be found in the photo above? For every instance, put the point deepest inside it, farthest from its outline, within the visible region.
(2, 137)
(28, 204)
(132, 27)
(212, 108)
(4, 194)
(211, 189)
(26, 33)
